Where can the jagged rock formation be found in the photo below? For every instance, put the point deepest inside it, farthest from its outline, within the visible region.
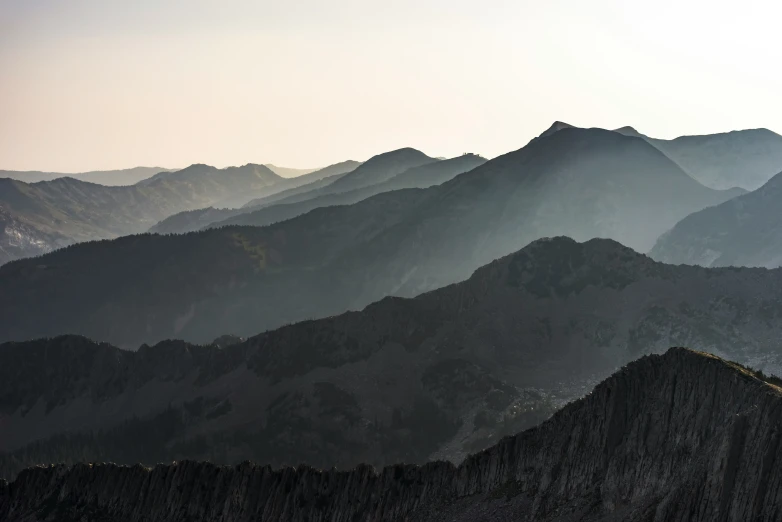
(437, 376)
(743, 231)
(582, 183)
(680, 437)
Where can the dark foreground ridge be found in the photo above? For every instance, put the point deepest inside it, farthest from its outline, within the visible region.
(683, 436)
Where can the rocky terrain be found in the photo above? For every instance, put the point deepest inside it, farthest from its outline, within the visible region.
(744, 231)
(683, 436)
(438, 376)
(242, 280)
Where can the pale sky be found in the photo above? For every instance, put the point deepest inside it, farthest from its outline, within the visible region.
(100, 84)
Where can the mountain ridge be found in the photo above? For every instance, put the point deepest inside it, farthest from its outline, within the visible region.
(51, 214)
(743, 231)
(633, 449)
(580, 183)
(116, 177)
(422, 176)
(436, 376)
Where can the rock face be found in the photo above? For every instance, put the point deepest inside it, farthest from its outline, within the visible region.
(434, 377)
(583, 183)
(743, 231)
(683, 436)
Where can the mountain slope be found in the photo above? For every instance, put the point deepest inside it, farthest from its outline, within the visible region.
(287, 172)
(744, 231)
(191, 220)
(51, 214)
(745, 158)
(437, 376)
(682, 436)
(380, 168)
(101, 177)
(376, 169)
(423, 176)
(583, 183)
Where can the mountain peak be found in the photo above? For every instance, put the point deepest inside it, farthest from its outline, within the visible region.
(560, 266)
(381, 167)
(555, 127)
(627, 130)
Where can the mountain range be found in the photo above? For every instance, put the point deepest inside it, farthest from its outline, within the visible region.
(679, 436)
(39, 217)
(746, 158)
(402, 168)
(744, 231)
(438, 376)
(488, 334)
(101, 177)
(583, 183)
(423, 176)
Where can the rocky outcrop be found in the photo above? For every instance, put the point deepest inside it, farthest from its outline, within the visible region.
(684, 436)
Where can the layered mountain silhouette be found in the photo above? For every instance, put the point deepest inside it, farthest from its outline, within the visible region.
(375, 170)
(744, 231)
(378, 174)
(679, 436)
(745, 158)
(436, 376)
(579, 182)
(287, 172)
(423, 176)
(50, 214)
(102, 177)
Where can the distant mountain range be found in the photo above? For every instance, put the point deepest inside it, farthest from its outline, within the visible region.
(42, 216)
(287, 172)
(192, 220)
(437, 376)
(583, 183)
(744, 231)
(423, 176)
(745, 158)
(101, 177)
(403, 168)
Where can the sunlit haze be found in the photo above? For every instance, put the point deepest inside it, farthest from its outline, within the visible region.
(98, 84)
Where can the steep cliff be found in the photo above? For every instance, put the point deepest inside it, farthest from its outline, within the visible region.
(673, 437)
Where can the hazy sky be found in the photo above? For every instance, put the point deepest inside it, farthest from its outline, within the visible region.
(96, 84)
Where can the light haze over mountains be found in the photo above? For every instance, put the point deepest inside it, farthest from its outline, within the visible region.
(372, 280)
